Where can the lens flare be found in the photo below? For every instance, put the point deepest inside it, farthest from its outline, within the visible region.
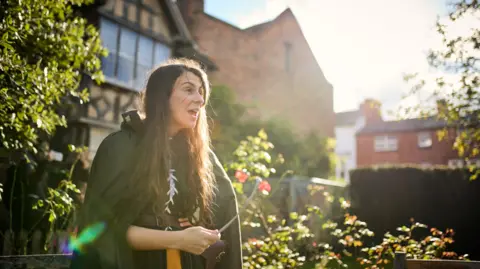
(88, 235)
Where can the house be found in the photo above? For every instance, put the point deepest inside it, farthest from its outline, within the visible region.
(409, 141)
(278, 70)
(269, 66)
(347, 124)
(139, 34)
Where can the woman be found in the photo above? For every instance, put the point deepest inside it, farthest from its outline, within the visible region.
(156, 185)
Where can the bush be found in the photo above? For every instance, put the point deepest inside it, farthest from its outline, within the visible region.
(45, 50)
(310, 156)
(280, 244)
(440, 196)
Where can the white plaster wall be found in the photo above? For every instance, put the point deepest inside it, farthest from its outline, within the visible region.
(96, 137)
(346, 149)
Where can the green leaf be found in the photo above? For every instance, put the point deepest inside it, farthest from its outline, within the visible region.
(71, 148)
(262, 134)
(6, 45)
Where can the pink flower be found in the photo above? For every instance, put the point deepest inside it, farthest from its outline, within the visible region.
(241, 176)
(264, 186)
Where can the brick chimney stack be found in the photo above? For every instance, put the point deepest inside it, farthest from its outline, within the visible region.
(371, 110)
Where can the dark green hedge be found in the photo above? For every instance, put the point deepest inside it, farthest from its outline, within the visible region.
(439, 197)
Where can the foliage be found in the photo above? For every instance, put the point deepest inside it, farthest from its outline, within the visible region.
(59, 204)
(433, 246)
(42, 200)
(293, 245)
(310, 156)
(456, 85)
(252, 159)
(274, 249)
(45, 49)
(313, 157)
(353, 232)
(226, 121)
(387, 196)
(277, 250)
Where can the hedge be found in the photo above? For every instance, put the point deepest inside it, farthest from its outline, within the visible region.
(441, 197)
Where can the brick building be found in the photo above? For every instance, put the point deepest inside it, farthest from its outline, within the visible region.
(139, 35)
(410, 141)
(269, 65)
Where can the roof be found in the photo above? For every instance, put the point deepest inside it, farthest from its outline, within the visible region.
(254, 28)
(185, 42)
(347, 117)
(259, 27)
(403, 125)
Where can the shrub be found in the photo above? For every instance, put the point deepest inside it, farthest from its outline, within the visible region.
(438, 196)
(280, 245)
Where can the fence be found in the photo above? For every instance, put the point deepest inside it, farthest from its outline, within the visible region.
(35, 244)
(21, 250)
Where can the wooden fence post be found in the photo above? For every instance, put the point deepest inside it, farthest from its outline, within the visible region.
(400, 261)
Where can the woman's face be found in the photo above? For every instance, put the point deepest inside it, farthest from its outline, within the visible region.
(185, 102)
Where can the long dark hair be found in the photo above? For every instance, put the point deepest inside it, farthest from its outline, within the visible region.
(152, 167)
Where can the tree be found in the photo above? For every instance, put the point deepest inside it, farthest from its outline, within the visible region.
(310, 156)
(456, 86)
(45, 49)
(226, 121)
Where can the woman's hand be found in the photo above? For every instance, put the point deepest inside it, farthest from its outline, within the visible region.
(196, 239)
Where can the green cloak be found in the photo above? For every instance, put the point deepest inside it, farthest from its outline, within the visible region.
(110, 250)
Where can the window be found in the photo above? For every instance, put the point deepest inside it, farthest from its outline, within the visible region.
(109, 33)
(144, 59)
(386, 143)
(131, 55)
(455, 163)
(424, 140)
(126, 56)
(426, 164)
(473, 162)
(288, 55)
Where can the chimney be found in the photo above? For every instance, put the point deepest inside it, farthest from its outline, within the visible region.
(370, 109)
(442, 108)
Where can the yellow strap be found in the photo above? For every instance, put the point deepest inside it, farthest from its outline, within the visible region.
(173, 259)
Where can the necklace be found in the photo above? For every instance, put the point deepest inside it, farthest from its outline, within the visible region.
(171, 191)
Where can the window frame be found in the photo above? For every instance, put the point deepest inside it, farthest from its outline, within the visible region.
(386, 141)
(456, 163)
(114, 80)
(421, 135)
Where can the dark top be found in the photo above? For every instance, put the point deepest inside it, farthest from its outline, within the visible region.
(111, 250)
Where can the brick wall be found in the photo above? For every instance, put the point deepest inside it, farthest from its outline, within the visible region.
(408, 151)
(253, 63)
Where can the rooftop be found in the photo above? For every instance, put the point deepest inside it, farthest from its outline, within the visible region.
(404, 125)
(347, 117)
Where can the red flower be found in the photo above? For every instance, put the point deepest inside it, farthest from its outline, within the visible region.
(241, 176)
(314, 244)
(264, 186)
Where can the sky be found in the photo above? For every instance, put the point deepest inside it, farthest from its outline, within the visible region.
(363, 47)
